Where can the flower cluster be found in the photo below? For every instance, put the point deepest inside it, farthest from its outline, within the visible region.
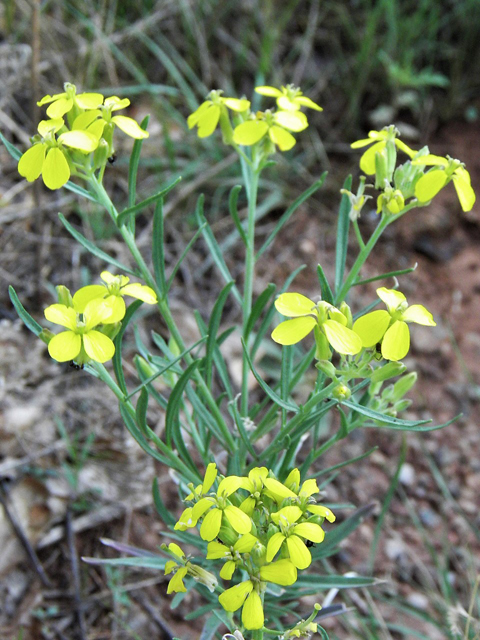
(77, 138)
(409, 180)
(334, 327)
(92, 318)
(260, 528)
(269, 128)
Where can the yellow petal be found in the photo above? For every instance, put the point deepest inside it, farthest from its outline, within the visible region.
(372, 326)
(96, 312)
(245, 544)
(391, 297)
(288, 514)
(248, 505)
(282, 572)
(117, 307)
(89, 100)
(250, 132)
(268, 91)
(130, 127)
(310, 531)
(396, 341)
(194, 117)
(216, 550)
(60, 107)
(238, 519)
(274, 545)
(81, 140)
(30, 164)
(430, 184)
(322, 511)
(207, 123)
(233, 598)
(228, 570)
(405, 148)
(292, 331)
(84, 295)
(47, 126)
(306, 102)
(299, 554)
(114, 103)
(85, 119)
(61, 314)
(229, 485)
(279, 491)
(65, 346)
(465, 193)
(140, 291)
(309, 487)
(98, 346)
(252, 612)
(236, 105)
(56, 171)
(211, 525)
(200, 507)
(367, 161)
(361, 143)
(293, 479)
(418, 314)
(292, 120)
(46, 99)
(281, 137)
(176, 583)
(178, 551)
(286, 104)
(342, 339)
(294, 305)
(209, 479)
(430, 160)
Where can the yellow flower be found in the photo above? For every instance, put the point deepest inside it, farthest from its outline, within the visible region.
(247, 594)
(187, 520)
(81, 342)
(293, 536)
(289, 98)
(48, 156)
(112, 292)
(184, 567)
(329, 323)
(218, 550)
(254, 485)
(446, 170)
(390, 327)
(212, 521)
(276, 125)
(101, 121)
(209, 113)
(378, 140)
(62, 103)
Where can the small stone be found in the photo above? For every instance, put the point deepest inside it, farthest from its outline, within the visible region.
(407, 474)
(418, 600)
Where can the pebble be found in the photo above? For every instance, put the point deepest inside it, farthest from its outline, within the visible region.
(407, 474)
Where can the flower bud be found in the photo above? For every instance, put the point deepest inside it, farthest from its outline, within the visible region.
(347, 312)
(46, 335)
(144, 367)
(202, 576)
(64, 295)
(101, 154)
(327, 367)
(389, 370)
(227, 535)
(323, 349)
(111, 330)
(382, 174)
(259, 554)
(403, 386)
(402, 405)
(226, 126)
(341, 392)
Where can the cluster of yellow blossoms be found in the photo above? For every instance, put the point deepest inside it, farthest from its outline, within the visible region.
(92, 318)
(77, 138)
(270, 128)
(258, 527)
(335, 327)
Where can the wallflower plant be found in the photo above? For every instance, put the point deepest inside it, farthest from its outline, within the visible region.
(253, 524)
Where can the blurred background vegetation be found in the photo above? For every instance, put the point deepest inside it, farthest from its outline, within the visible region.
(367, 62)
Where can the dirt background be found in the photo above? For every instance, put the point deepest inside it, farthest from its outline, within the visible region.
(428, 552)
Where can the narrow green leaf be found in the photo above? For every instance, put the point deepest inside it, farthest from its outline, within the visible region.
(172, 419)
(117, 356)
(291, 210)
(394, 423)
(133, 165)
(91, 248)
(162, 510)
(390, 274)
(327, 294)
(158, 248)
(344, 464)
(140, 563)
(232, 204)
(11, 148)
(183, 256)
(213, 327)
(335, 582)
(214, 248)
(270, 392)
(258, 308)
(141, 411)
(210, 627)
(239, 421)
(342, 236)
(135, 209)
(80, 191)
(23, 314)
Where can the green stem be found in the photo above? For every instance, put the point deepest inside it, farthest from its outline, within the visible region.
(252, 190)
(164, 309)
(362, 257)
